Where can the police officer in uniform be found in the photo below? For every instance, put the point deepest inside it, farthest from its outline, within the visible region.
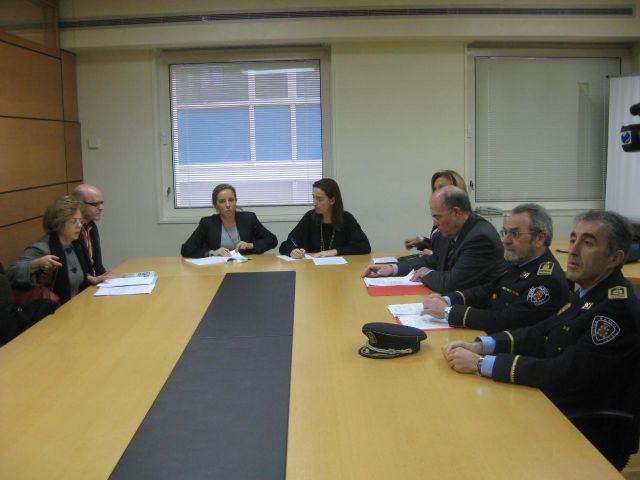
(533, 287)
(585, 356)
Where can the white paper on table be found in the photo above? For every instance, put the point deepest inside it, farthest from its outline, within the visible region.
(330, 261)
(390, 281)
(385, 260)
(235, 257)
(130, 290)
(423, 322)
(406, 309)
(127, 281)
(410, 314)
(289, 259)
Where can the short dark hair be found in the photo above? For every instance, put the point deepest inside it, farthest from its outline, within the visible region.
(218, 189)
(331, 188)
(540, 219)
(59, 212)
(456, 197)
(619, 230)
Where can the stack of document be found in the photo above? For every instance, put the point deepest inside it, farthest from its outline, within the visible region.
(200, 262)
(391, 281)
(411, 314)
(137, 283)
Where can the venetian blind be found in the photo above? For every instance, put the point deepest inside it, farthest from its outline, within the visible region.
(256, 125)
(541, 128)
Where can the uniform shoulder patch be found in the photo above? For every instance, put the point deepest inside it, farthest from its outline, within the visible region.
(603, 330)
(618, 293)
(546, 268)
(538, 295)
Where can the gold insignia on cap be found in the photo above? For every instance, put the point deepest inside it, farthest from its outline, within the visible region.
(618, 293)
(525, 274)
(545, 268)
(564, 309)
(586, 306)
(494, 296)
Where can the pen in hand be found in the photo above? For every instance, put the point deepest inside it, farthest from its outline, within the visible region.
(296, 247)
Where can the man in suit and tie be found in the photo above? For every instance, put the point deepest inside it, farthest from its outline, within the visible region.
(467, 252)
(93, 206)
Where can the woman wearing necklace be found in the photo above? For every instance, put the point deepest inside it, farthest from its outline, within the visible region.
(328, 229)
(229, 230)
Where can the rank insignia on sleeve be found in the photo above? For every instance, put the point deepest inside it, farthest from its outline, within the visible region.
(618, 293)
(545, 268)
(603, 330)
(586, 306)
(564, 309)
(538, 295)
(509, 290)
(525, 274)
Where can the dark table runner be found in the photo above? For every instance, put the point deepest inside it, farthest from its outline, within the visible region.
(223, 412)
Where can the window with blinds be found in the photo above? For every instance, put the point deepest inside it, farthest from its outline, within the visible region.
(254, 124)
(541, 128)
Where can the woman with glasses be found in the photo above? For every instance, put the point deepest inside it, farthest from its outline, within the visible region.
(328, 229)
(58, 260)
(218, 235)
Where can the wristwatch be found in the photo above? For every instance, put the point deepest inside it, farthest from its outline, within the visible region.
(447, 310)
(479, 364)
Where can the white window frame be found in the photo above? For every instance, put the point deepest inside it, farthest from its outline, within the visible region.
(568, 208)
(167, 213)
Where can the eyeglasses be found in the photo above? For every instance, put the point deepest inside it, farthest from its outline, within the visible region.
(75, 221)
(515, 234)
(95, 204)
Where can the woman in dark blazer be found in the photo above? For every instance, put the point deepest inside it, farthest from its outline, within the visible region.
(229, 230)
(328, 229)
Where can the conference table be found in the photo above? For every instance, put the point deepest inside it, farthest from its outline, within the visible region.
(75, 387)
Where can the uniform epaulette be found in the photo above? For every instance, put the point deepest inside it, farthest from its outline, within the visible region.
(546, 268)
(618, 293)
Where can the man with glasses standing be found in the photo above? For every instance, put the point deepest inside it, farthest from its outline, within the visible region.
(467, 253)
(93, 205)
(533, 288)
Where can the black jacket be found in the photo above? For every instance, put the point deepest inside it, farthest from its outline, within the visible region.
(207, 235)
(477, 257)
(351, 240)
(582, 357)
(523, 296)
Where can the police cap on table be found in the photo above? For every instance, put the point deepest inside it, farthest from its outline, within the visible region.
(388, 340)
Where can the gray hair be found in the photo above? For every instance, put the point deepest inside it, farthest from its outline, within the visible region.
(619, 230)
(540, 219)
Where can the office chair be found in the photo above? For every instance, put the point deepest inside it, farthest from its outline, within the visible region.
(614, 432)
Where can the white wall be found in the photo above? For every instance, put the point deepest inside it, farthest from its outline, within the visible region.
(398, 113)
(398, 110)
(396, 137)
